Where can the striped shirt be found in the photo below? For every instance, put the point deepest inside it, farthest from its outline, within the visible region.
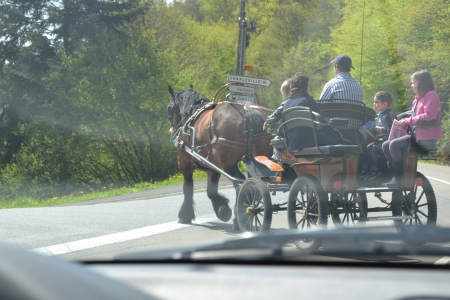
(343, 86)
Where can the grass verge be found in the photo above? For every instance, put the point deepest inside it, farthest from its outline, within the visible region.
(81, 196)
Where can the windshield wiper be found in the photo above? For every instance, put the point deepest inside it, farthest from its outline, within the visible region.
(349, 241)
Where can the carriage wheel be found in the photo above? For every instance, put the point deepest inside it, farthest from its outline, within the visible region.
(254, 206)
(307, 208)
(420, 203)
(353, 212)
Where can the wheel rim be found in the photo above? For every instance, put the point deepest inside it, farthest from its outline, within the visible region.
(306, 210)
(353, 209)
(416, 204)
(254, 206)
(420, 203)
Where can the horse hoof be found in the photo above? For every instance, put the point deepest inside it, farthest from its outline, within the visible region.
(236, 225)
(184, 221)
(236, 228)
(224, 213)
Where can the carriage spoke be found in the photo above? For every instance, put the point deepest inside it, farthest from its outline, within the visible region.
(258, 201)
(418, 221)
(249, 201)
(259, 222)
(246, 223)
(425, 204)
(420, 212)
(255, 199)
(418, 200)
(314, 215)
(302, 195)
(303, 223)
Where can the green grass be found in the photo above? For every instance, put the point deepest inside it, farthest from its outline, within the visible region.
(81, 196)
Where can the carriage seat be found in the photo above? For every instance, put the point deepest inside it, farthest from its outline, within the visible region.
(423, 147)
(347, 116)
(280, 144)
(303, 117)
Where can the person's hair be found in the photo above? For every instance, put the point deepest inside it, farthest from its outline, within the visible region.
(384, 97)
(299, 84)
(286, 86)
(344, 68)
(424, 81)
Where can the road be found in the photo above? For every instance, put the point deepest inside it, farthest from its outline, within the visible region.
(102, 229)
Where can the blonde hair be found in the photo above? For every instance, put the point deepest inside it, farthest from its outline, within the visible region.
(286, 87)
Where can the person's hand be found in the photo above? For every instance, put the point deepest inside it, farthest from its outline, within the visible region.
(402, 122)
(377, 130)
(265, 126)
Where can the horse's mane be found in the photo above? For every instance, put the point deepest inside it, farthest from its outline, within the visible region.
(188, 99)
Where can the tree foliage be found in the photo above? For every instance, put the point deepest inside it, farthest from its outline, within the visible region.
(83, 84)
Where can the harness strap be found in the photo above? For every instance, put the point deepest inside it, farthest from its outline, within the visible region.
(228, 143)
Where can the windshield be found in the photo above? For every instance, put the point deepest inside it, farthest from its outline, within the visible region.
(129, 126)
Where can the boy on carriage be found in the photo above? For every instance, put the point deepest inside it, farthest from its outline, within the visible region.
(299, 139)
(372, 152)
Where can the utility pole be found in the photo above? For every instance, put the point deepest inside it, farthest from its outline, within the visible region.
(242, 41)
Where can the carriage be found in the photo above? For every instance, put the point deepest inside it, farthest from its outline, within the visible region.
(321, 181)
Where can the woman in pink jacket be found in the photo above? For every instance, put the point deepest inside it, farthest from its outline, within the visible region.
(425, 107)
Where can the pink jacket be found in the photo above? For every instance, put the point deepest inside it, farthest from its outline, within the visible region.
(429, 108)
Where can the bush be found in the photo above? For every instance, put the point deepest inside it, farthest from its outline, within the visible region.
(444, 143)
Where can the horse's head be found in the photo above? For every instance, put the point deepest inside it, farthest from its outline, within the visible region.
(182, 104)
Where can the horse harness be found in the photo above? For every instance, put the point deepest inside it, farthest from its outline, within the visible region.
(189, 131)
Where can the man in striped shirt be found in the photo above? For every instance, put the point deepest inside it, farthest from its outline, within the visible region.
(343, 86)
(340, 89)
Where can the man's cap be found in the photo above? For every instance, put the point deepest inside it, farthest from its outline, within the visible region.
(343, 60)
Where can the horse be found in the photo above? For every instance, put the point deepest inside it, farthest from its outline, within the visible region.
(218, 132)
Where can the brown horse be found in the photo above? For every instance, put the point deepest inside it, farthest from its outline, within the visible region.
(218, 132)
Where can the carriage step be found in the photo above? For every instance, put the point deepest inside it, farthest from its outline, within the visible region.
(385, 218)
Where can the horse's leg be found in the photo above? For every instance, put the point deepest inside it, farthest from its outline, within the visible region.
(186, 214)
(234, 171)
(219, 202)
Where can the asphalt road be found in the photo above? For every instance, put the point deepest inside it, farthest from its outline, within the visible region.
(102, 229)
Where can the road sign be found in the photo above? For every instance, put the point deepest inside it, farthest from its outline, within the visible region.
(241, 89)
(233, 97)
(248, 68)
(249, 80)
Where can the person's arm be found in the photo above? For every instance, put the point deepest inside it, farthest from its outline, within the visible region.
(388, 124)
(431, 110)
(274, 117)
(326, 92)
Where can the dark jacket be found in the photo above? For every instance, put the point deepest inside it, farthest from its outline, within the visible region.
(303, 138)
(384, 119)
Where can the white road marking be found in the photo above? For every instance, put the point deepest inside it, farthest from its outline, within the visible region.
(438, 180)
(442, 261)
(119, 237)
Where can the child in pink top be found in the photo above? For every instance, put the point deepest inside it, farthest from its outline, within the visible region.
(425, 107)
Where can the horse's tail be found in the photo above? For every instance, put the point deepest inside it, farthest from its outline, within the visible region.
(254, 120)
